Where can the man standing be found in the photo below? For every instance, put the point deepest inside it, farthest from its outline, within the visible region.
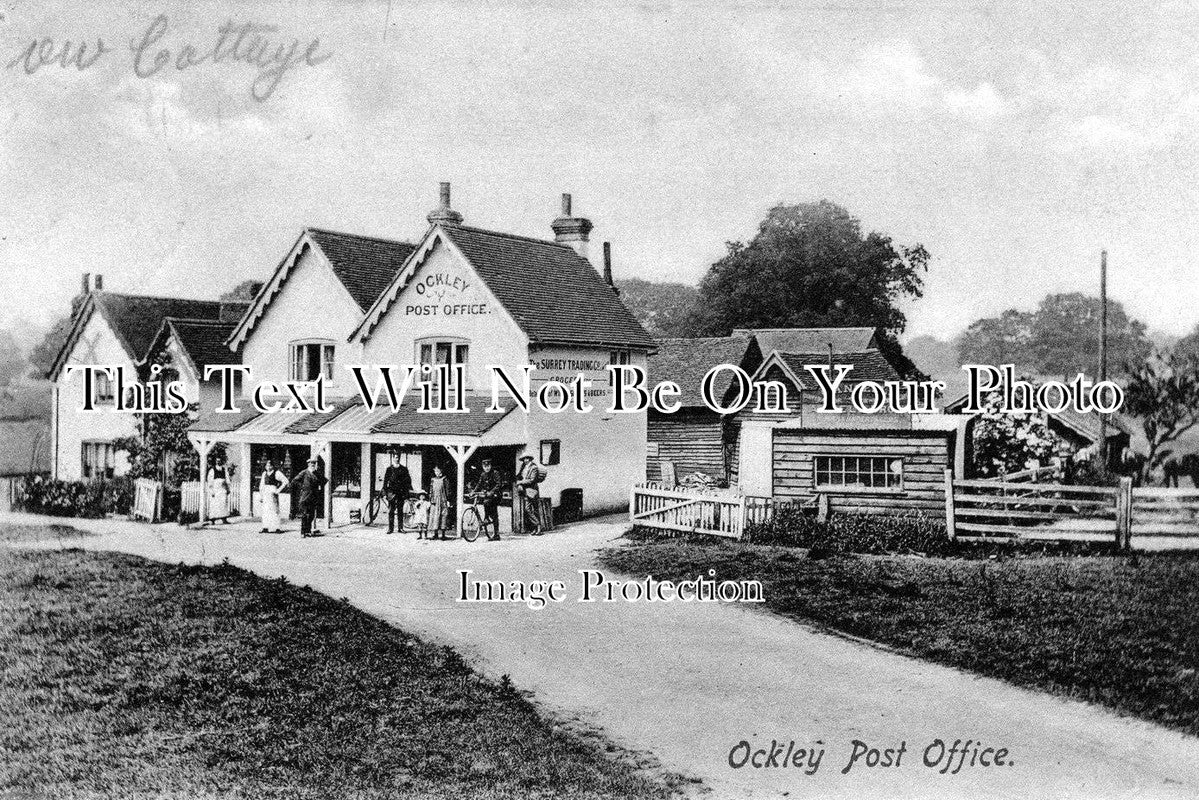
(490, 486)
(397, 483)
(527, 481)
(309, 486)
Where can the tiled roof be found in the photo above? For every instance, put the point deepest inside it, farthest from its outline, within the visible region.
(409, 420)
(870, 365)
(686, 361)
(136, 318)
(212, 422)
(812, 340)
(204, 341)
(551, 291)
(365, 265)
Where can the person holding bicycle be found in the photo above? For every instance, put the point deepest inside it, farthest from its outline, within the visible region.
(488, 488)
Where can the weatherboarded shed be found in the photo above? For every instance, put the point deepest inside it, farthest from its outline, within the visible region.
(695, 438)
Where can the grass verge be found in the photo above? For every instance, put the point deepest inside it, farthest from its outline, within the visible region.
(121, 677)
(40, 533)
(1121, 631)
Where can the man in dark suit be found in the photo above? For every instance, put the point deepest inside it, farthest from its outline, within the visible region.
(308, 486)
(397, 484)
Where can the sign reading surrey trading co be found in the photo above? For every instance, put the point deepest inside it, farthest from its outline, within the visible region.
(443, 293)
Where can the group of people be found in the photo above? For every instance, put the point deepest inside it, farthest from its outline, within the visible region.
(431, 512)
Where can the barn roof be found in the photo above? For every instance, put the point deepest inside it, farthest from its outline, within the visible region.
(812, 340)
(686, 361)
(870, 365)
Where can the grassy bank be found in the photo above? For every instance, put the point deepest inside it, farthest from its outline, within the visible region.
(1122, 631)
(127, 678)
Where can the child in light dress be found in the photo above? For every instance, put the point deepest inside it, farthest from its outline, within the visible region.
(421, 507)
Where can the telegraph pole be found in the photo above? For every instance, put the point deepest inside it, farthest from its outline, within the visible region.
(1103, 462)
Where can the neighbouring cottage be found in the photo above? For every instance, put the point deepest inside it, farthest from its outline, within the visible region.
(460, 296)
(111, 328)
(859, 462)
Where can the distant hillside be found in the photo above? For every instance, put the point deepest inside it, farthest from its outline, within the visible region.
(939, 360)
(661, 308)
(25, 402)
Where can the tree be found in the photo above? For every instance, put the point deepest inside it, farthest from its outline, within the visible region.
(810, 265)
(1061, 337)
(41, 358)
(1163, 392)
(662, 308)
(161, 450)
(12, 361)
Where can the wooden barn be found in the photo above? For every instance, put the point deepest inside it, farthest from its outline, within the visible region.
(859, 462)
(694, 439)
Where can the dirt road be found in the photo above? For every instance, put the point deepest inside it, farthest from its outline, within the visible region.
(689, 682)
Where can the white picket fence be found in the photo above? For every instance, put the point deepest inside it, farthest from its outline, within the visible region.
(191, 498)
(688, 510)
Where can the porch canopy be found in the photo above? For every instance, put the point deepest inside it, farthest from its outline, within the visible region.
(461, 434)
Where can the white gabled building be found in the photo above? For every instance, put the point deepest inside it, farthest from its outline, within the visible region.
(461, 295)
(107, 328)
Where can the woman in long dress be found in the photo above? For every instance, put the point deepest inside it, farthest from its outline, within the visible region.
(218, 493)
(270, 484)
(439, 502)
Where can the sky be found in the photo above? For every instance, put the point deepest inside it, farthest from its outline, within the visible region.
(1013, 140)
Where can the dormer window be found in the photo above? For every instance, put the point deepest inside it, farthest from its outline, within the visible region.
(310, 360)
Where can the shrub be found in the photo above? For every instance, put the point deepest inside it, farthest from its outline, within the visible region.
(910, 532)
(38, 495)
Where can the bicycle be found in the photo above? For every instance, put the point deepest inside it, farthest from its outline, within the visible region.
(474, 518)
(378, 504)
(380, 508)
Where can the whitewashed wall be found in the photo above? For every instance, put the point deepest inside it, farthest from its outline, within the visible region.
(71, 427)
(313, 304)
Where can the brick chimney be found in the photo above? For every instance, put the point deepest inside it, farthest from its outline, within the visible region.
(98, 282)
(443, 214)
(608, 267)
(571, 230)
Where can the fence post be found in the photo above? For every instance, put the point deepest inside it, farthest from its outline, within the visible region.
(741, 529)
(1124, 515)
(950, 524)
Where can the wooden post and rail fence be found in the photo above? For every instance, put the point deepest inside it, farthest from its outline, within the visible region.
(975, 510)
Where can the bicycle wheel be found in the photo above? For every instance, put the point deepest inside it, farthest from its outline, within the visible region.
(378, 506)
(471, 524)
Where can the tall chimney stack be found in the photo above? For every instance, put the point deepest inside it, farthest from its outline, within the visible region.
(571, 230)
(99, 282)
(443, 214)
(85, 284)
